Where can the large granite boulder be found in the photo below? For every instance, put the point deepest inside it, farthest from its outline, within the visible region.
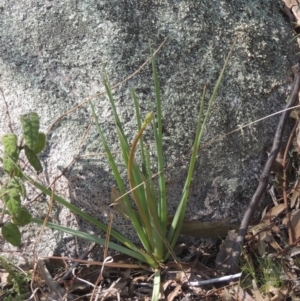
(51, 59)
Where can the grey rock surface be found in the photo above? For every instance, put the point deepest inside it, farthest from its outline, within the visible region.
(51, 57)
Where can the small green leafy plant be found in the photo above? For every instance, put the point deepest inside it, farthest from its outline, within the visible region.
(19, 281)
(265, 272)
(158, 233)
(11, 193)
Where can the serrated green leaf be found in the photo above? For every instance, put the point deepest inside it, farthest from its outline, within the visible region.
(13, 193)
(3, 194)
(22, 189)
(40, 143)
(14, 206)
(11, 233)
(17, 184)
(33, 159)
(17, 172)
(13, 183)
(23, 218)
(11, 152)
(31, 125)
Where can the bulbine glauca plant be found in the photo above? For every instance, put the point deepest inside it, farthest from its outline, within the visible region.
(157, 232)
(32, 143)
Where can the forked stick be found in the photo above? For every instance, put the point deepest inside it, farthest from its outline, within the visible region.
(232, 264)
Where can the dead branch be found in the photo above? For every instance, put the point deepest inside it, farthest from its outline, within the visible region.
(264, 178)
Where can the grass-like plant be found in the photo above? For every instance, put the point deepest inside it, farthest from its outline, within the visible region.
(158, 235)
(266, 273)
(150, 221)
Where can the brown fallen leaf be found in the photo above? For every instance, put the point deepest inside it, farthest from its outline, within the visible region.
(293, 6)
(290, 3)
(295, 194)
(263, 240)
(295, 223)
(289, 267)
(273, 212)
(256, 293)
(175, 292)
(264, 236)
(226, 296)
(241, 295)
(279, 294)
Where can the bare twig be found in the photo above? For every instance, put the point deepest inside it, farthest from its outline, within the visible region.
(284, 186)
(263, 181)
(56, 291)
(120, 265)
